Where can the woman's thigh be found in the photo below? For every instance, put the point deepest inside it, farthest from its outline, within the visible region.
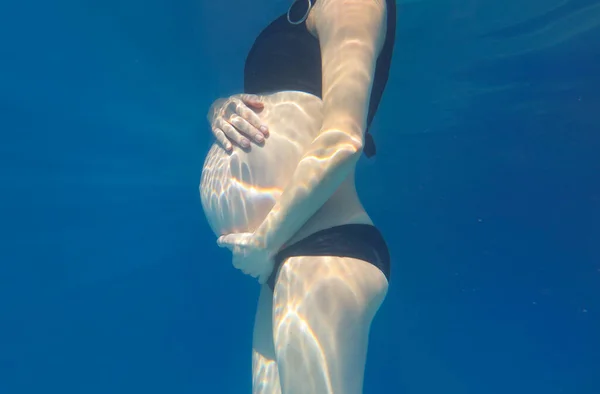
(265, 376)
(322, 313)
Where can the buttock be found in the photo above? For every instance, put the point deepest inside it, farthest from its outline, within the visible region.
(360, 241)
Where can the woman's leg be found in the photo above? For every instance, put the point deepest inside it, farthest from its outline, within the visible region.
(322, 313)
(265, 377)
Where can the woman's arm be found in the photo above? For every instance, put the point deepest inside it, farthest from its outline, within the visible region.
(351, 34)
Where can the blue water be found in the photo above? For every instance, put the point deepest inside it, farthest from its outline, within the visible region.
(486, 185)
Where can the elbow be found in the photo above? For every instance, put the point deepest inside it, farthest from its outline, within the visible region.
(345, 136)
(338, 146)
(348, 147)
(354, 144)
(355, 150)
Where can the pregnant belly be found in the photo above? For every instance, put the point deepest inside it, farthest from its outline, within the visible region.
(238, 189)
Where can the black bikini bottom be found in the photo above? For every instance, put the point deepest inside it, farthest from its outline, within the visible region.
(359, 241)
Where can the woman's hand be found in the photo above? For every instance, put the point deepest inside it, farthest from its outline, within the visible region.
(234, 120)
(249, 255)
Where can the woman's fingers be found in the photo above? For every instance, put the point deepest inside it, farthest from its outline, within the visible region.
(247, 121)
(262, 279)
(239, 263)
(252, 100)
(238, 123)
(222, 139)
(244, 127)
(232, 133)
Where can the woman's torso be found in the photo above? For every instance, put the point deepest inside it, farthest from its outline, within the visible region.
(239, 189)
(287, 57)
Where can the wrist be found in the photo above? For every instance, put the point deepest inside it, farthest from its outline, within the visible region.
(266, 235)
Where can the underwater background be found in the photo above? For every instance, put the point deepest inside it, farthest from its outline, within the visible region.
(486, 185)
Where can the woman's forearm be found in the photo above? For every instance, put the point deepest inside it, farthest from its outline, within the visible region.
(322, 169)
(350, 35)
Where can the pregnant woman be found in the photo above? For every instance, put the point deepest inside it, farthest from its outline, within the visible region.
(287, 206)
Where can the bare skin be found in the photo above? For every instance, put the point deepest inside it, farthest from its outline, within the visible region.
(311, 332)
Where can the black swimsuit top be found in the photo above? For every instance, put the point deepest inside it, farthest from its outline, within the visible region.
(288, 57)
